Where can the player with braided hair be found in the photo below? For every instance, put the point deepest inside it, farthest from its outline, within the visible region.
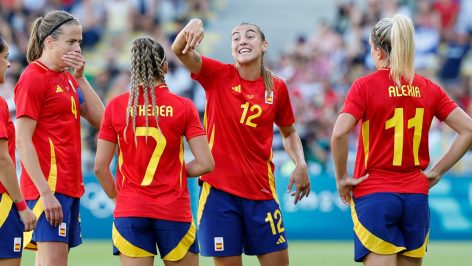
(152, 198)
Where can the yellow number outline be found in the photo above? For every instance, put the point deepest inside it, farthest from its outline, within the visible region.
(73, 106)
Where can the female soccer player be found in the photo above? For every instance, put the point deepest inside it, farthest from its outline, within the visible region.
(49, 102)
(148, 125)
(15, 216)
(244, 100)
(395, 108)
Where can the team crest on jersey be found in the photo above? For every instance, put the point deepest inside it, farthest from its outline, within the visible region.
(17, 244)
(62, 229)
(269, 97)
(219, 244)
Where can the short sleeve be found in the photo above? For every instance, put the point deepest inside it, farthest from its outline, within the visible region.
(30, 93)
(445, 105)
(193, 126)
(355, 103)
(284, 115)
(107, 132)
(209, 68)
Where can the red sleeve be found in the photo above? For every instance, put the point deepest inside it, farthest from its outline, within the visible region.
(445, 105)
(355, 103)
(209, 67)
(4, 114)
(193, 126)
(284, 115)
(30, 93)
(107, 132)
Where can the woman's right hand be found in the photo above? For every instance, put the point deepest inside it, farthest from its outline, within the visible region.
(28, 218)
(52, 209)
(345, 186)
(193, 33)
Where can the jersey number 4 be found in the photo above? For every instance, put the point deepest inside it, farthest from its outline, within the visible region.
(396, 122)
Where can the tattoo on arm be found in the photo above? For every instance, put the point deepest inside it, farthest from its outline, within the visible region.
(196, 57)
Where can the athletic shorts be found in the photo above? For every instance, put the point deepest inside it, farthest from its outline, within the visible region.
(390, 223)
(68, 231)
(11, 229)
(230, 225)
(137, 237)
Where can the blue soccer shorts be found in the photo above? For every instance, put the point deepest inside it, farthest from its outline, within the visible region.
(230, 225)
(11, 229)
(390, 223)
(137, 237)
(68, 231)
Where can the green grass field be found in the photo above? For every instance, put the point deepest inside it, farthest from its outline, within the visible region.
(302, 253)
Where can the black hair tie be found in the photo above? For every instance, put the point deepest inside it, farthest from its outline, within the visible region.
(56, 27)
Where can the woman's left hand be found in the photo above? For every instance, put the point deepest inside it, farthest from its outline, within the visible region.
(76, 61)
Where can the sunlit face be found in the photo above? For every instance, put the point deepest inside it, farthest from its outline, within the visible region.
(69, 41)
(4, 63)
(247, 44)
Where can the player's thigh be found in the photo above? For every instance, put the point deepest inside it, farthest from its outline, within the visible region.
(263, 229)
(128, 261)
(277, 258)
(53, 253)
(220, 223)
(190, 259)
(134, 237)
(175, 240)
(10, 262)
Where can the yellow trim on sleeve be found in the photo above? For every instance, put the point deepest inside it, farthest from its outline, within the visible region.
(126, 248)
(184, 245)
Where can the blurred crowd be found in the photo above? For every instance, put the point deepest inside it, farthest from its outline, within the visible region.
(318, 67)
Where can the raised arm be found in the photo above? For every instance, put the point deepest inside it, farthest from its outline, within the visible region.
(186, 41)
(203, 162)
(92, 108)
(462, 124)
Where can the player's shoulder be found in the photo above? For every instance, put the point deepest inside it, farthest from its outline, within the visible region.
(34, 72)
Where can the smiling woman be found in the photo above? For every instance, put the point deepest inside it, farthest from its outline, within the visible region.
(49, 102)
(244, 100)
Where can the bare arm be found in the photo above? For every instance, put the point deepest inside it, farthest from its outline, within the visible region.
(462, 124)
(339, 147)
(293, 147)
(103, 158)
(186, 41)
(10, 182)
(203, 162)
(29, 158)
(92, 109)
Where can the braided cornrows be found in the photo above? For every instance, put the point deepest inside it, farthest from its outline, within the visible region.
(147, 61)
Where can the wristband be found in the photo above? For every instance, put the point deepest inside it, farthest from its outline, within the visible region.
(21, 206)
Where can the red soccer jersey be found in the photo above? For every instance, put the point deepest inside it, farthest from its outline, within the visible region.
(150, 175)
(239, 119)
(51, 98)
(395, 121)
(7, 131)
